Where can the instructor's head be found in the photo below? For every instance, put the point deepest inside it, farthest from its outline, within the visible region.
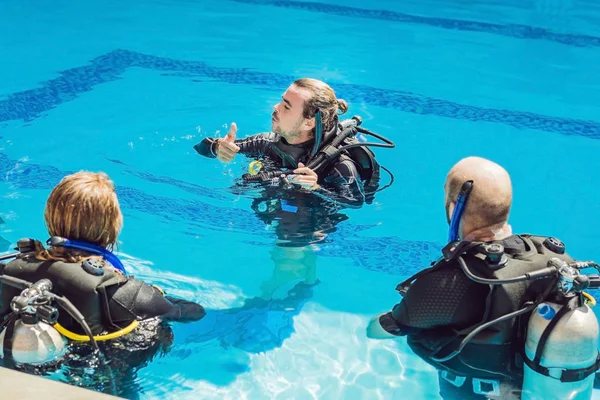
(294, 117)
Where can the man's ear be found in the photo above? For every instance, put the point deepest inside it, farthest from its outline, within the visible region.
(309, 123)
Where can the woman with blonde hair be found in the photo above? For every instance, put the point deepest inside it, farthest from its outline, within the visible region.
(84, 219)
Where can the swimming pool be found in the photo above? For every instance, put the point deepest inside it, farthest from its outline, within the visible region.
(129, 88)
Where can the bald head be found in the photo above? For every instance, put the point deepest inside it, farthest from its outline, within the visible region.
(491, 197)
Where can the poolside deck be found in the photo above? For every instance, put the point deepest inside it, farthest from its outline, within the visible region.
(22, 386)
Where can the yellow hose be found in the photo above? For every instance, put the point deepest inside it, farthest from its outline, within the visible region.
(85, 338)
(589, 299)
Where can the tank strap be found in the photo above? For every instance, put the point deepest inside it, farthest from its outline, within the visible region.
(567, 375)
(9, 324)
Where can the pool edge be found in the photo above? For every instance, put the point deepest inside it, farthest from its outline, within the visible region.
(23, 386)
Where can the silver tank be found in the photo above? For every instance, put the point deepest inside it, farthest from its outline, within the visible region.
(37, 343)
(572, 344)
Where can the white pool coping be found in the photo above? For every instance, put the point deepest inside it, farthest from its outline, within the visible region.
(22, 386)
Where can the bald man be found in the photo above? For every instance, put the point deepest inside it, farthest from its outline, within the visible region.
(441, 305)
(486, 217)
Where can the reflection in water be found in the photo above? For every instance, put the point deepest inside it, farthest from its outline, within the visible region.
(300, 221)
(297, 218)
(290, 264)
(259, 325)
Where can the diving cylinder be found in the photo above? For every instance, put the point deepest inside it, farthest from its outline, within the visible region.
(572, 344)
(35, 343)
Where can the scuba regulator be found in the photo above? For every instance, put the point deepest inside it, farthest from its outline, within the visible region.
(35, 301)
(35, 304)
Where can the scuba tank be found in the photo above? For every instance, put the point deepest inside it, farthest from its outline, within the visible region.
(33, 342)
(561, 347)
(28, 336)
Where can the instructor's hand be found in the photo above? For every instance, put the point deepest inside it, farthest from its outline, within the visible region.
(305, 177)
(226, 148)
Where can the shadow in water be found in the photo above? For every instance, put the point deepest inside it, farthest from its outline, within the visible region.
(220, 344)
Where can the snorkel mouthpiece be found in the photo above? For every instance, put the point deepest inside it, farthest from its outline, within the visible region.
(459, 209)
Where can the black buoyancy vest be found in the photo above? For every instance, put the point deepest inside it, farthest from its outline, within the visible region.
(495, 350)
(84, 290)
(362, 156)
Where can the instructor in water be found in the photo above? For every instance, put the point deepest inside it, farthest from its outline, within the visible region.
(302, 123)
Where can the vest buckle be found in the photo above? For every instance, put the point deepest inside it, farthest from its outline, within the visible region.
(455, 380)
(487, 387)
(555, 372)
(454, 249)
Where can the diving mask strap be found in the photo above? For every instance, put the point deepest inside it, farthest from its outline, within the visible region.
(318, 133)
(107, 255)
(459, 210)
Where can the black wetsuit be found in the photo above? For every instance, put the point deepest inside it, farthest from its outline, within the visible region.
(340, 181)
(437, 305)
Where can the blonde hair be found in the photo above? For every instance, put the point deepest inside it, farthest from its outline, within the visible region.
(83, 206)
(322, 99)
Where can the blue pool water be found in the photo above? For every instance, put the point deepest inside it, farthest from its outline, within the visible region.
(129, 87)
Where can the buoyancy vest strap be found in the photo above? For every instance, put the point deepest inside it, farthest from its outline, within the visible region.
(486, 313)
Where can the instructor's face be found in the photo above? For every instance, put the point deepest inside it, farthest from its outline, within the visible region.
(287, 118)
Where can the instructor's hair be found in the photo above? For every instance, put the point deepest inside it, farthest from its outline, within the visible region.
(323, 99)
